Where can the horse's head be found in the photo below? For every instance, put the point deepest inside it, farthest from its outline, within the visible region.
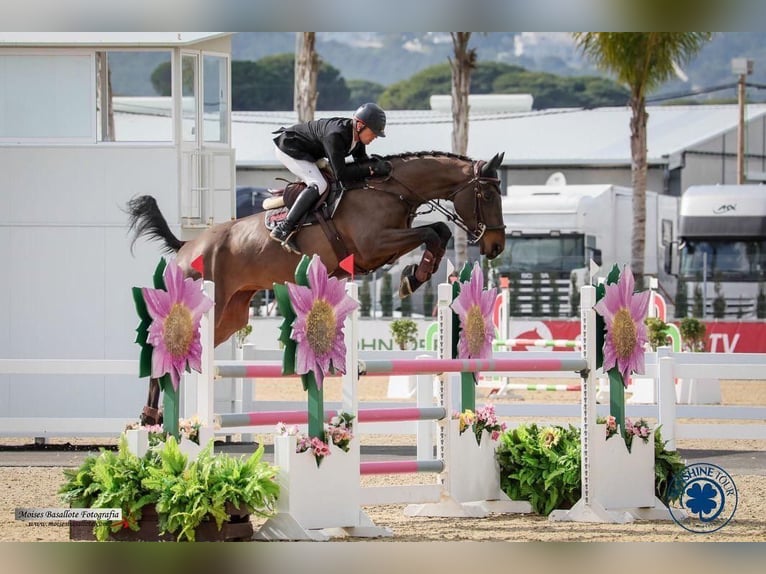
(479, 205)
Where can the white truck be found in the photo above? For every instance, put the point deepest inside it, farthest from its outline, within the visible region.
(553, 231)
(722, 247)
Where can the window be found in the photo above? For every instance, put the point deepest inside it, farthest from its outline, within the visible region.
(46, 96)
(134, 96)
(215, 98)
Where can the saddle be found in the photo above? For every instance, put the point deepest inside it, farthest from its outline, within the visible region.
(281, 200)
(278, 205)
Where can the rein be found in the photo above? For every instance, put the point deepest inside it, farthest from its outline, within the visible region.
(477, 181)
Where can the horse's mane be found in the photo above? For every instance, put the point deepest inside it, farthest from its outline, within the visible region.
(419, 154)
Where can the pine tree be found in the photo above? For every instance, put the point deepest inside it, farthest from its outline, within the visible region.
(682, 299)
(365, 298)
(387, 296)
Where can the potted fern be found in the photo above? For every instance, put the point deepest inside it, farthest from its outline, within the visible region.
(164, 496)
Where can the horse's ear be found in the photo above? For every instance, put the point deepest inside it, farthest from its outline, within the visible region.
(494, 163)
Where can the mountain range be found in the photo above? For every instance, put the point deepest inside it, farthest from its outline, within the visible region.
(387, 58)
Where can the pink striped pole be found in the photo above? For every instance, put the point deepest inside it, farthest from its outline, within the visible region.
(425, 366)
(266, 418)
(400, 466)
(242, 369)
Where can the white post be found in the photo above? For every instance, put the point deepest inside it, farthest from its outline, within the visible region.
(205, 380)
(444, 351)
(424, 389)
(666, 397)
(350, 379)
(588, 392)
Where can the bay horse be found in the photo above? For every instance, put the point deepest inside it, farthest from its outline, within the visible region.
(372, 221)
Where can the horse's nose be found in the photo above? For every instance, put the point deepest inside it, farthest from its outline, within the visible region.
(497, 249)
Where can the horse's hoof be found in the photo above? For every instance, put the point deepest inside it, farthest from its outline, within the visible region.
(405, 289)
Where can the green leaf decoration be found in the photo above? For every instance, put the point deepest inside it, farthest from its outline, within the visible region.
(614, 275)
(142, 334)
(142, 331)
(468, 381)
(159, 280)
(170, 406)
(617, 400)
(288, 313)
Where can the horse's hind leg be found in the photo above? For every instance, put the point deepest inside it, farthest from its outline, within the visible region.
(234, 316)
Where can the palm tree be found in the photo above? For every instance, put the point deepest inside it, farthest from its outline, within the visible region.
(462, 64)
(642, 61)
(306, 69)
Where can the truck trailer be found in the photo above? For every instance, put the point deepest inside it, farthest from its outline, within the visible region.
(554, 231)
(722, 248)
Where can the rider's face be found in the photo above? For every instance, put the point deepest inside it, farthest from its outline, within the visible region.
(366, 135)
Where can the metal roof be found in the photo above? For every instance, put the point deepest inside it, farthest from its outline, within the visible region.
(136, 39)
(549, 137)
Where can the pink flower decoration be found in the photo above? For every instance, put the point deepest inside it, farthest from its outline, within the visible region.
(320, 312)
(473, 306)
(174, 333)
(624, 313)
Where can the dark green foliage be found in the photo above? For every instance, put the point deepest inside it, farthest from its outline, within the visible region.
(549, 90)
(682, 299)
(719, 303)
(406, 307)
(692, 334)
(387, 296)
(542, 465)
(667, 464)
(554, 305)
(428, 298)
(268, 85)
(760, 302)
(514, 305)
(184, 493)
(698, 308)
(365, 298)
(574, 297)
(657, 332)
(537, 304)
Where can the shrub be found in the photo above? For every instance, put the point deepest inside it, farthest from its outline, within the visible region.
(542, 465)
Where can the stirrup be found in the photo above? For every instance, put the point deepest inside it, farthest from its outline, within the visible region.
(289, 245)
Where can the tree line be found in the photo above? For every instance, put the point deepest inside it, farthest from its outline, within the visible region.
(267, 85)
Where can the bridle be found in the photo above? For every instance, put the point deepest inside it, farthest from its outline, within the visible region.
(478, 182)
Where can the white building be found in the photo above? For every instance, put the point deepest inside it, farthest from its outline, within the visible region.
(68, 166)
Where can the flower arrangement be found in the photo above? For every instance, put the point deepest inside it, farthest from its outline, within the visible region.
(188, 429)
(620, 325)
(473, 305)
(338, 431)
(640, 429)
(484, 419)
(169, 331)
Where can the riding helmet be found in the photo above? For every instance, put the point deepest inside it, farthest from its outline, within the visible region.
(373, 117)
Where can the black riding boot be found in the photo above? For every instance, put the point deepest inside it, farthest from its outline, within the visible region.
(285, 229)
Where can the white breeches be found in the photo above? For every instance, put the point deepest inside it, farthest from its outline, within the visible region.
(307, 171)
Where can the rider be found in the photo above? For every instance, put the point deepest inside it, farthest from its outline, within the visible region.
(301, 146)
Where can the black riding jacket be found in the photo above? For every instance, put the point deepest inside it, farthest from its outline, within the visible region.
(328, 138)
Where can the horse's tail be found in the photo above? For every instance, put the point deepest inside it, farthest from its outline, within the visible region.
(145, 218)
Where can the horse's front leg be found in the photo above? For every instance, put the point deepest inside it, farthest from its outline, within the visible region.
(413, 276)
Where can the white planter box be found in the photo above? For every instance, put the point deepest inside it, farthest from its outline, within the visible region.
(318, 497)
(473, 471)
(622, 479)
